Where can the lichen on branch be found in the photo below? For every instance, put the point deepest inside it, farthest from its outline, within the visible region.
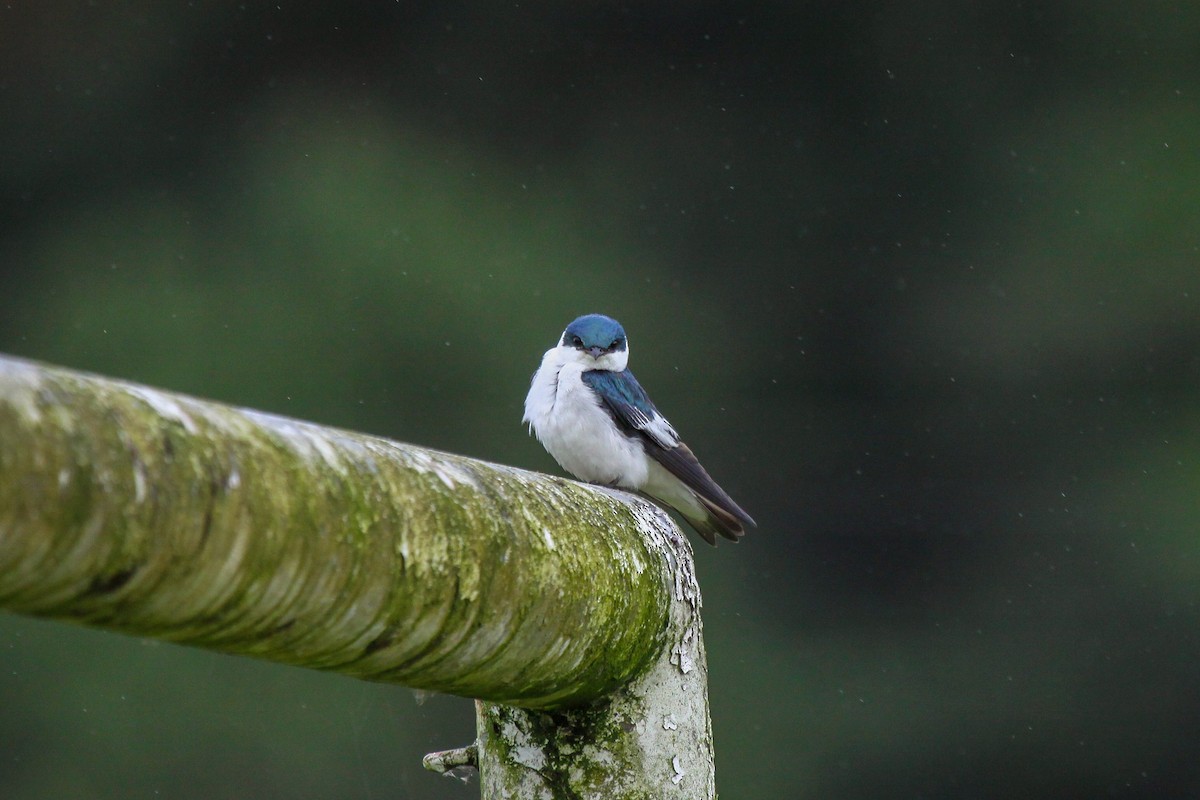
(161, 515)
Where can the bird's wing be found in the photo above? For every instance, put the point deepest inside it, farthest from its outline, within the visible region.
(630, 407)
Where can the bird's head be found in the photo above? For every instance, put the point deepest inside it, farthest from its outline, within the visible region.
(597, 342)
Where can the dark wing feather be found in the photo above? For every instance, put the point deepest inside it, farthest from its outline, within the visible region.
(683, 464)
(631, 408)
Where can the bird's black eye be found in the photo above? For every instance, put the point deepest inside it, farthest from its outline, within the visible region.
(576, 341)
(615, 344)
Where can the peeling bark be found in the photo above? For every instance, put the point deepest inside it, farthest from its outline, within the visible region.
(649, 739)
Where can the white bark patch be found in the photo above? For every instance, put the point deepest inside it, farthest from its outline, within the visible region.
(679, 773)
(22, 396)
(523, 753)
(305, 440)
(531, 757)
(165, 405)
(445, 470)
(681, 654)
(139, 483)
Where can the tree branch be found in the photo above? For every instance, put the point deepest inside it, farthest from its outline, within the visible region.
(160, 515)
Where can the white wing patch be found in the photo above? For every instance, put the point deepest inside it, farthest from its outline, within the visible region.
(657, 426)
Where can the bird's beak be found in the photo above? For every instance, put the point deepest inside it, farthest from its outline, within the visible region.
(596, 352)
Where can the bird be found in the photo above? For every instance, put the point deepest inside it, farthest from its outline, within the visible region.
(591, 414)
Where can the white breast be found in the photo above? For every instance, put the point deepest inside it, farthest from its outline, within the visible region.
(567, 418)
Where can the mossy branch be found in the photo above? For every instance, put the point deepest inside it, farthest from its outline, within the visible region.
(571, 612)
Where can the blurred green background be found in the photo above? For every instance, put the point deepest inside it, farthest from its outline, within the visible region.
(918, 281)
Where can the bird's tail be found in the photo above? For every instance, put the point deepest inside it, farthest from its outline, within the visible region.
(716, 521)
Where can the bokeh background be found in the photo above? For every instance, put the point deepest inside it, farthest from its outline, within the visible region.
(917, 280)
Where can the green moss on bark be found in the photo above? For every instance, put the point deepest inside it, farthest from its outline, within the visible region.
(160, 515)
